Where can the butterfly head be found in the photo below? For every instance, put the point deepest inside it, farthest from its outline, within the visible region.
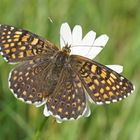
(66, 49)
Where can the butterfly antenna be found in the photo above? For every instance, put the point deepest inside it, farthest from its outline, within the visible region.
(63, 40)
(86, 46)
(49, 18)
(90, 48)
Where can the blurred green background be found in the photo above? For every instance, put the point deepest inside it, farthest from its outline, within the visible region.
(120, 20)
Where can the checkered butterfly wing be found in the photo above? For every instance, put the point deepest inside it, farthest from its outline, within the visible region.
(68, 100)
(18, 44)
(102, 84)
(28, 81)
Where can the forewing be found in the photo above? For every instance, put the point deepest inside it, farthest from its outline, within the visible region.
(18, 45)
(28, 81)
(102, 84)
(68, 101)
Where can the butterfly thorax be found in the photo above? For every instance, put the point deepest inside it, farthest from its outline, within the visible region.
(61, 58)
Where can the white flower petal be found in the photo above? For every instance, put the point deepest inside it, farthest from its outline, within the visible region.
(117, 68)
(98, 45)
(76, 35)
(89, 38)
(101, 40)
(83, 47)
(65, 35)
(46, 112)
(93, 52)
(79, 50)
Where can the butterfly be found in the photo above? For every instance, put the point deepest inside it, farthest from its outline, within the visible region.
(63, 82)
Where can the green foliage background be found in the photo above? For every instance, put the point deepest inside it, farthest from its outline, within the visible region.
(120, 20)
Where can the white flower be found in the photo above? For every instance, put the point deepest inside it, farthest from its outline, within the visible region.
(88, 47)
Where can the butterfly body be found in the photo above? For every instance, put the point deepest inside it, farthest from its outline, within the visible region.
(58, 62)
(64, 82)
